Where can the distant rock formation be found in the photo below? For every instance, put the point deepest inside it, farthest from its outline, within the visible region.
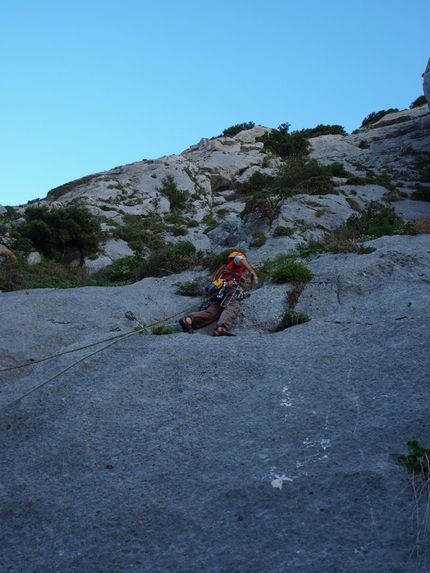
(426, 82)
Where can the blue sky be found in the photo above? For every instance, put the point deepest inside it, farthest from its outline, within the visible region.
(87, 85)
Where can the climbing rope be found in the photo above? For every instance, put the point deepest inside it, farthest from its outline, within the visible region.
(117, 337)
(111, 340)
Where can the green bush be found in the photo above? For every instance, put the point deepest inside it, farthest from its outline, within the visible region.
(62, 233)
(192, 223)
(376, 116)
(371, 179)
(292, 273)
(210, 220)
(347, 246)
(174, 219)
(421, 193)
(258, 181)
(304, 175)
(168, 260)
(265, 193)
(285, 144)
(178, 198)
(19, 275)
(416, 227)
(282, 231)
(11, 213)
(264, 204)
(353, 203)
(179, 231)
(422, 165)
(140, 232)
(421, 100)
(165, 260)
(235, 129)
(323, 130)
(374, 220)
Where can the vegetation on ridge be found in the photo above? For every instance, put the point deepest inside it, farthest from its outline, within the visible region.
(264, 194)
(65, 236)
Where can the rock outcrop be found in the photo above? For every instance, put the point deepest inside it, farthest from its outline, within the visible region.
(392, 150)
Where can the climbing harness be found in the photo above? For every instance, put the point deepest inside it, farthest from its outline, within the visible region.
(230, 291)
(224, 292)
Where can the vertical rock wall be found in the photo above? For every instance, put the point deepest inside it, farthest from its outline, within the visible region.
(426, 82)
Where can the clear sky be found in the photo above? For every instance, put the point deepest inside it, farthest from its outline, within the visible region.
(88, 85)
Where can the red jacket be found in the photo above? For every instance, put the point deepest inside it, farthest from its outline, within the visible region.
(238, 270)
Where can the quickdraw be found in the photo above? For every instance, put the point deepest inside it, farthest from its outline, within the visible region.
(228, 291)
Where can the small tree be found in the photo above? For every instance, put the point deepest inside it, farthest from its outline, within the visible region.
(178, 198)
(62, 233)
(286, 144)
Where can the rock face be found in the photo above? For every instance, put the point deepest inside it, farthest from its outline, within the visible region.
(269, 451)
(392, 150)
(426, 81)
(264, 452)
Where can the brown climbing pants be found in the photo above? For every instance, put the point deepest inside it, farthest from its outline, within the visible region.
(225, 315)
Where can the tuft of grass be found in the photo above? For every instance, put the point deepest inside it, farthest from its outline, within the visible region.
(418, 461)
(258, 239)
(418, 458)
(291, 318)
(190, 288)
(353, 203)
(282, 231)
(347, 246)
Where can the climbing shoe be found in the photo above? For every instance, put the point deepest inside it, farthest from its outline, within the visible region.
(185, 326)
(221, 331)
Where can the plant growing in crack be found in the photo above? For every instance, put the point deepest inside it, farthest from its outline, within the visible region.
(418, 461)
(297, 273)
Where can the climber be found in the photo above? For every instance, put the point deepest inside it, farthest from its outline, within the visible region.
(6, 255)
(224, 306)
